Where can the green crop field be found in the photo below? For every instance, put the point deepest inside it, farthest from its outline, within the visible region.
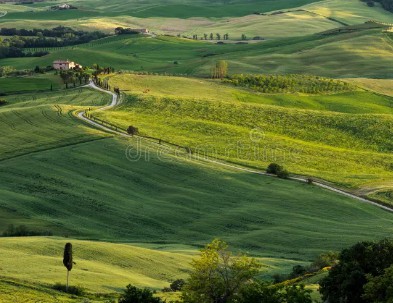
(45, 120)
(315, 135)
(111, 189)
(173, 8)
(337, 55)
(137, 210)
(29, 84)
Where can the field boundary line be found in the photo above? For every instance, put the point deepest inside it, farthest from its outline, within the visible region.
(82, 115)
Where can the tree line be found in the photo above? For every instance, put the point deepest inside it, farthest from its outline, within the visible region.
(18, 39)
(289, 83)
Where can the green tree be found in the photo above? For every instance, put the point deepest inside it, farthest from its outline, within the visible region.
(218, 276)
(68, 260)
(220, 70)
(346, 280)
(133, 294)
(379, 289)
(263, 292)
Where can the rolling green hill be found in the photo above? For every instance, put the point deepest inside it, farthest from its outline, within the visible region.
(172, 8)
(29, 83)
(316, 135)
(96, 189)
(337, 55)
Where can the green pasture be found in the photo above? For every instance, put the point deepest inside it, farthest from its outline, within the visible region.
(169, 9)
(31, 266)
(310, 135)
(30, 83)
(64, 177)
(357, 101)
(100, 266)
(338, 55)
(349, 11)
(40, 121)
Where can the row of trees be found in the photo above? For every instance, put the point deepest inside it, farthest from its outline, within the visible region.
(15, 52)
(212, 36)
(43, 41)
(289, 83)
(56, 32)
(73, 76)
(218, 36)
(17, 40)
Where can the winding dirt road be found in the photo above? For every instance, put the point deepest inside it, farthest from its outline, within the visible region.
(115, 102)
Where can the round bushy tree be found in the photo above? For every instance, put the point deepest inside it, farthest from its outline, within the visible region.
(133, 294)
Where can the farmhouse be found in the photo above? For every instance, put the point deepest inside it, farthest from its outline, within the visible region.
(65, 65)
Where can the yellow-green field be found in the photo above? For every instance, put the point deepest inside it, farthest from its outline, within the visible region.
(217, 119)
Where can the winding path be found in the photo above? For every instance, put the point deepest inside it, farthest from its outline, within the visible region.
(2, 14)
(115, 102)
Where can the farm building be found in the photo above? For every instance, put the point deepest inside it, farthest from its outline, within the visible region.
(65, 65)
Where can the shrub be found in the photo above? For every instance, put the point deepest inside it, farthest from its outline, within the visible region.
(274, 168)
(297, 271)
(133, 294)
(132, 130)
(283, 174)
(177, 285)
(74, 290)
(2, 102)
(278, 170)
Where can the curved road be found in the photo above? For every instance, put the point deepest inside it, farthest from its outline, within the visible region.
(115, 102)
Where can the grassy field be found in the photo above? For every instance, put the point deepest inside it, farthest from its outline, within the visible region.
(70, 189)
(100, 267)
(41, 121)
(311, 135)
(30, 83)
(172, 8)
(338, 55)
(382, 86)
(31, 266)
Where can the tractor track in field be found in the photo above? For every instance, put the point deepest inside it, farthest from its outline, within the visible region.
(115, 101)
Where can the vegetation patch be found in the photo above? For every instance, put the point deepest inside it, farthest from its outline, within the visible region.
(290, 84)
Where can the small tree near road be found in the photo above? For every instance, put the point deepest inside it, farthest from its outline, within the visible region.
(132, 130)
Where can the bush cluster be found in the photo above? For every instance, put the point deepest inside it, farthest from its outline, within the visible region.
(278, 170)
